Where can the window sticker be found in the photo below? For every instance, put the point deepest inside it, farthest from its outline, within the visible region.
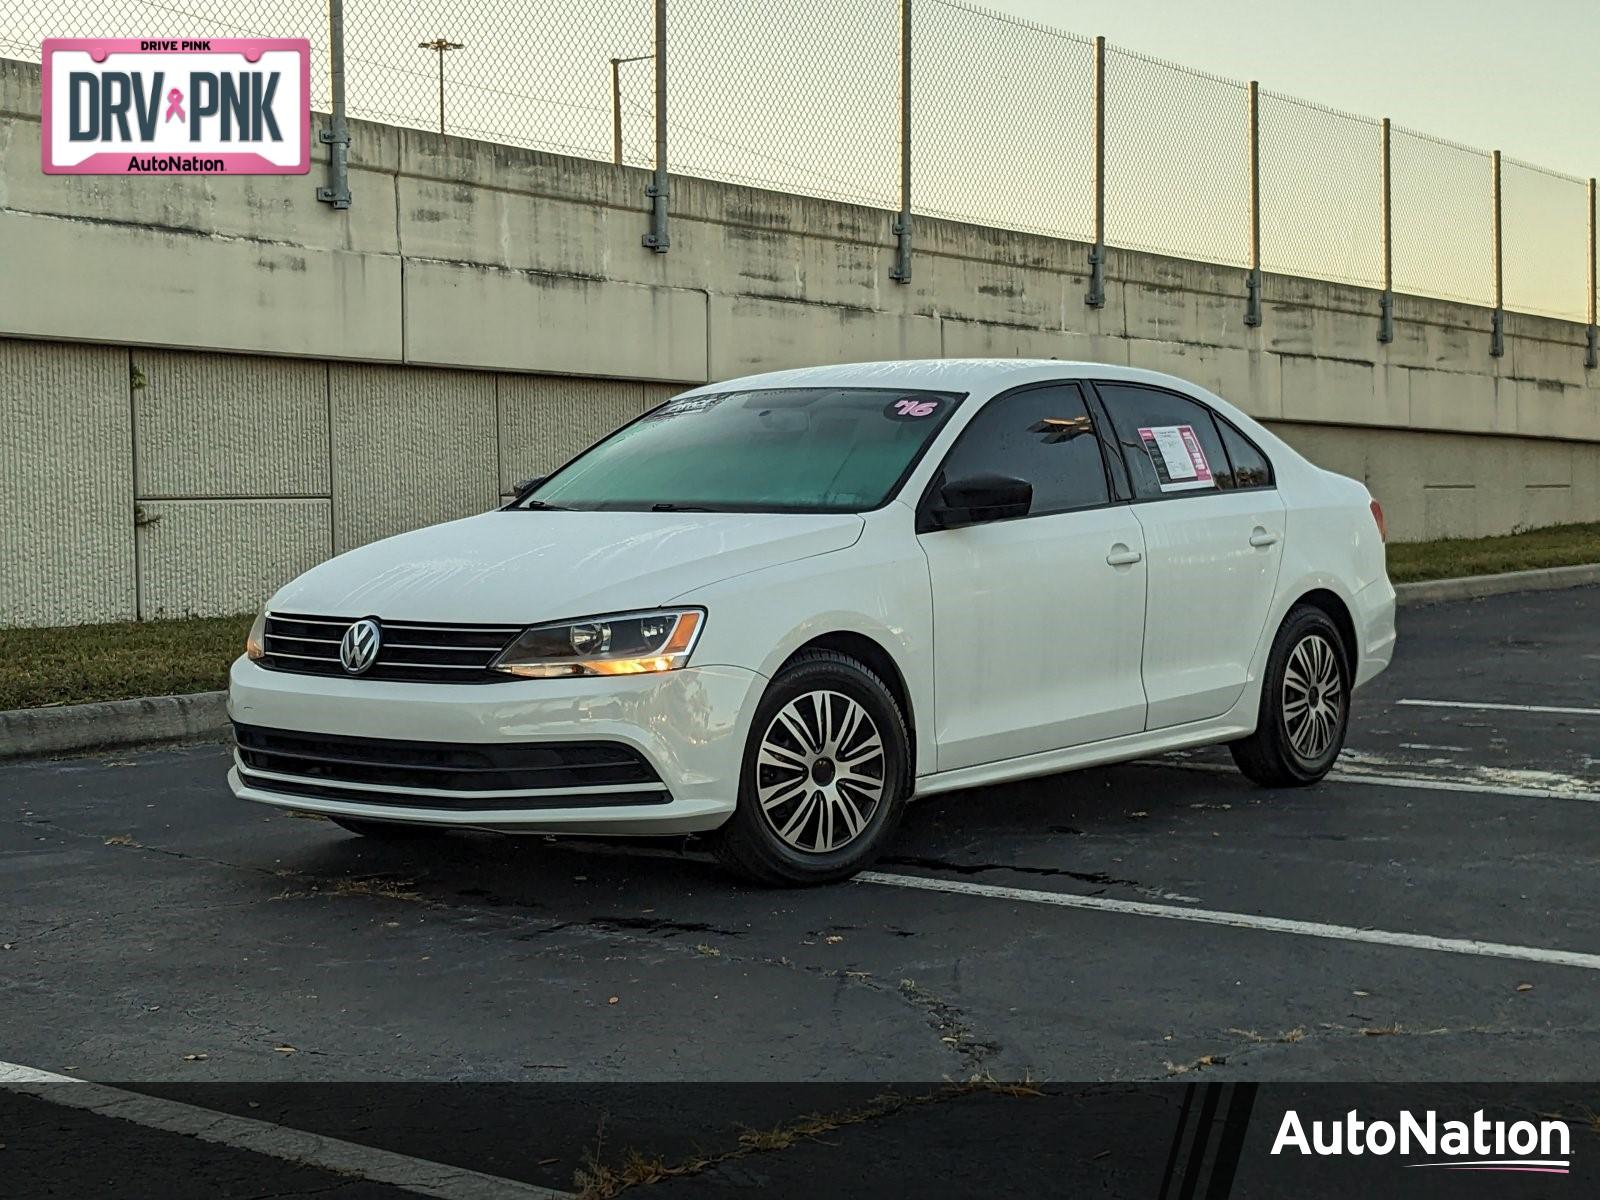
(685, 405)
(911, 408)
(1179, 461)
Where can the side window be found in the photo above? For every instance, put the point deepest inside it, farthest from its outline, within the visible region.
(1043, 435)
(1170, 443)
(1250, 466)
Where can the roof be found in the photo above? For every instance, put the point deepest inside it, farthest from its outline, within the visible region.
(947, 374)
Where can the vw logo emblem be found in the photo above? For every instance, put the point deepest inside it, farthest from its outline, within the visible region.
(359, 648)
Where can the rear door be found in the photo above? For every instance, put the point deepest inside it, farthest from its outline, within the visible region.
(1038, 620)
(1213, 537)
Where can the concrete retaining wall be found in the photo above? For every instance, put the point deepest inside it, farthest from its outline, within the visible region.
(208, 384)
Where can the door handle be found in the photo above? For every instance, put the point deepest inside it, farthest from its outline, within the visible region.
(1121, 556)
(1263, 537)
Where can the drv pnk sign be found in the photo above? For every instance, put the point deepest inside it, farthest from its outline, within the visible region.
(149, 106)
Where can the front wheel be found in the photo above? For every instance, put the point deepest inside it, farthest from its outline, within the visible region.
(1305, 704)
(825, 776)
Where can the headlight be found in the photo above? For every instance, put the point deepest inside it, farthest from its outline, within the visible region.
(255, 644)
(638, 643)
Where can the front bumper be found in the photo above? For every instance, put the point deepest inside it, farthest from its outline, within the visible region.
(688, 725)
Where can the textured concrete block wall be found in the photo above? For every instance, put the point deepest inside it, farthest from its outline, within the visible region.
(231, 477)
(66, 485)
(410, 447)
(141, 483)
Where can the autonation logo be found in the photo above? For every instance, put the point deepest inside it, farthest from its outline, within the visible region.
(1476, 1145)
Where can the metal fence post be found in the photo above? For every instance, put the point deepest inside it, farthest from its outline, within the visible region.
(616, 111)
(1097, 257)
(657, 239)
(901, 272)
(1497, 335)
(1591, 357)
(1386, 304)
(1252, 312)
(337, 135)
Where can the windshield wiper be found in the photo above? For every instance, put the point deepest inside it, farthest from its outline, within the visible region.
(544, 505)
(666, 506)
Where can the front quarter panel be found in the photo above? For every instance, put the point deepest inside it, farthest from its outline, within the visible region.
(877, 588)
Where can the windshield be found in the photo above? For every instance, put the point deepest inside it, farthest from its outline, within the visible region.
(817, 449)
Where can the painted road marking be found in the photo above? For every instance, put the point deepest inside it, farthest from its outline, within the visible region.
(1203, 916)
(1420, 782)
(347, 1159)
(1531, 708)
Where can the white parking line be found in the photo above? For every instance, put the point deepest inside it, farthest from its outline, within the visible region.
(1531, 708)
(347, 1159)
(1202, 916)
(1420, 782)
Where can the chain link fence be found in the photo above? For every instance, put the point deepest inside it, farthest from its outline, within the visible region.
(1321, 191)
(1177, 160)
(1002, 121)
(805, 96)
(1545, 218)
(1443, 214)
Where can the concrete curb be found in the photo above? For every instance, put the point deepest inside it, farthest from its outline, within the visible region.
(147, 721)
(1475, 587)
(152, 720)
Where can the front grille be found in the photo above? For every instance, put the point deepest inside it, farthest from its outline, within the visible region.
(410, 651)
(319, 763)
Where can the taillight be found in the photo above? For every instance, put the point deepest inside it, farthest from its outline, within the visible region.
(1383, 526)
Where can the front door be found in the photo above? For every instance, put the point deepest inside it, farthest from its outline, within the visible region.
(1038, 620)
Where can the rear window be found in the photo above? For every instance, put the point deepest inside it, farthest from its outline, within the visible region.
(1251, 467)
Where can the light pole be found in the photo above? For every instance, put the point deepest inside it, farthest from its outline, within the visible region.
(616, 103)
(441, 45)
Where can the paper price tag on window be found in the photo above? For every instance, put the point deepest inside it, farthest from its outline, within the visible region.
(1179, 461)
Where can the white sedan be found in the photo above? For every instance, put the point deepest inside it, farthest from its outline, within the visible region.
(773, 610)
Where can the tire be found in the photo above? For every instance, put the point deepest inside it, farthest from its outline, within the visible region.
(1305, 704)
(800, 819)
(388, 831)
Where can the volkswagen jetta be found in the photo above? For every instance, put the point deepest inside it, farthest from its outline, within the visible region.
(774, 610)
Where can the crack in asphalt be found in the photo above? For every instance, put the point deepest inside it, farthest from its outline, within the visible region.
(951, 1025)
(666, 929)
(598, 1180)
(1098, 878)
(946, 1020)
(1327, 1031)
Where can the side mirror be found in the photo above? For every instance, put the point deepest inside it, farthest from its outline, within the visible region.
(524, 486)
(980, 498)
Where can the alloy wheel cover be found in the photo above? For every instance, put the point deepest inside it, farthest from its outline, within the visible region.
(820, 771)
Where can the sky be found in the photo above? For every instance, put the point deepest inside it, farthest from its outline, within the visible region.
(1520, 77)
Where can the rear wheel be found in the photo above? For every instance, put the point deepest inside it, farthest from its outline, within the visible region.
(1305, 704)
(825, 776)
(392, 831)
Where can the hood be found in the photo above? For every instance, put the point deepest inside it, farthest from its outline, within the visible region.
(526, 566)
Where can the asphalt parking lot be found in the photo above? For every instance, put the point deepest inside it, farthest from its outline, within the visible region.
(1427, 913)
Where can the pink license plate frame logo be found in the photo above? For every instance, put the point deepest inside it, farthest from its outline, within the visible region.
(175, 151)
